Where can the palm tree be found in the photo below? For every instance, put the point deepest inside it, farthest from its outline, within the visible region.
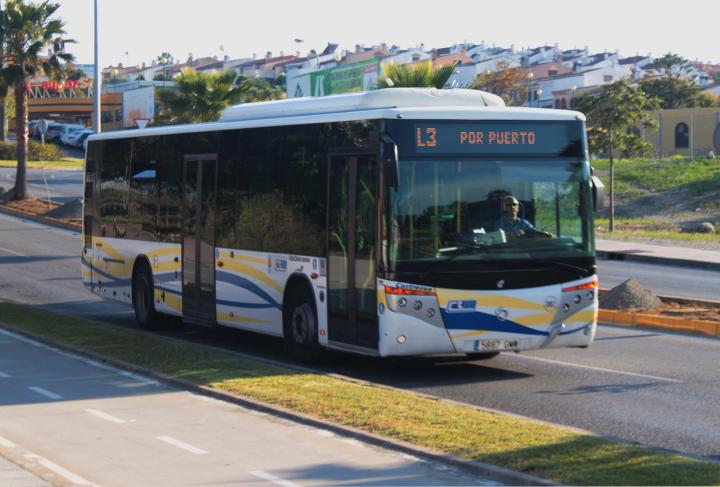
(416, 75)
(29, 30)
(200, 97)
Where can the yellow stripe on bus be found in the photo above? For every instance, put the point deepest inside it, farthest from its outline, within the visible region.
(248, 270)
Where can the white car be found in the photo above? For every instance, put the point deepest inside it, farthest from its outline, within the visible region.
(75, 139)
(67, 130)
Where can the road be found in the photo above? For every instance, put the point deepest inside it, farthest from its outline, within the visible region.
(57, 185)
(94, 425)
(631, 383)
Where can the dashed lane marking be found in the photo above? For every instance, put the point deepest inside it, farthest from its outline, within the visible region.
(45, 392)
(273, 478)
(4, 375)
(105, 416)
(181, 444)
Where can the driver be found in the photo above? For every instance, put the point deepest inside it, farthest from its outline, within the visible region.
(514, 226)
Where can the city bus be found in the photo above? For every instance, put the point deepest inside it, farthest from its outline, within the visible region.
(393, 222)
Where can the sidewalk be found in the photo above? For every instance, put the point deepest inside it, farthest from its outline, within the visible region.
(658, 254)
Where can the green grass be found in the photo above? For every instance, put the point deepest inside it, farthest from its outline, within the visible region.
(543, 450)
(695, 175)
(646, 228)
(64, 163)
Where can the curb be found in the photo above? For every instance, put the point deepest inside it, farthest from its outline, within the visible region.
(41, 219)
(651, 259)
(500, 474)
(628, 318)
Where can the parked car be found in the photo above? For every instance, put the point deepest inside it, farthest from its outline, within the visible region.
(32, 124)
(53, 132)
(76, 138)
(67, 130)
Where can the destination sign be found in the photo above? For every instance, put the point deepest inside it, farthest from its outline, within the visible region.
(514, 138)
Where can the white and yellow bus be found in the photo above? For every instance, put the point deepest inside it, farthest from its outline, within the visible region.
(392, 222)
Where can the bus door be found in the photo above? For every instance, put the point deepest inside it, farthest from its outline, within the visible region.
(352, 210)
(198, 238)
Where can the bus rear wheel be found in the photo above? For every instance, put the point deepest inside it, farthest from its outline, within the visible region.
(143, 298)
(300, 327)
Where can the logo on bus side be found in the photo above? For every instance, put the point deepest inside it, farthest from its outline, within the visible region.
(280, 265)
(461, 306)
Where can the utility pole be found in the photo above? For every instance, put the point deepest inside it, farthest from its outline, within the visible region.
(3, 102)
(97, 82)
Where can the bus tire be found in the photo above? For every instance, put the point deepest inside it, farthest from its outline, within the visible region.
(143, 297)
(482, 355)
(300, 327)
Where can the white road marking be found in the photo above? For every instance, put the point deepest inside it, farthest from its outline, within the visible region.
(12, 252)
(88, 361)
(45, 392)
(4, 375)
(105, 416)
(6, 443)
(599, 369)
(273, 478)
(63, 472)
(183, 445)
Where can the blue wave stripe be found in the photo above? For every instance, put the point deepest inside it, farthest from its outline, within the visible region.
(486, 322)
(168, 290)
(221, 276)
(237, 304)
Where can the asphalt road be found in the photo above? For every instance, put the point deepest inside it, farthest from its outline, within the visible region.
(94, 425)
(654, 388)
(57, 185)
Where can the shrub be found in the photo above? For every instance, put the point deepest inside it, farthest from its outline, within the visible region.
(36, 152)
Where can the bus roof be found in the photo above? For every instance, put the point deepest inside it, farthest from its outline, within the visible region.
(368, 100)
(411, 103)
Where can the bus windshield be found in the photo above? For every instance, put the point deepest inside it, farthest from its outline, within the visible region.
(487, 210)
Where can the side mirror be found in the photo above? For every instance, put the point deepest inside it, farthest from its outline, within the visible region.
(598, 191)
(390, 162)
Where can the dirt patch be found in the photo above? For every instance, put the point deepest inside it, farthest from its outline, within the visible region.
(31, 206)
(685, 311)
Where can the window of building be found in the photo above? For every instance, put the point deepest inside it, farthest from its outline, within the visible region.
(682, 136)
(608, 78)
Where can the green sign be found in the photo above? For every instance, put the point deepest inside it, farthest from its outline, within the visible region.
(343, 79)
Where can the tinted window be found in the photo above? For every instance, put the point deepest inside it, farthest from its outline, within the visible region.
(113, 197)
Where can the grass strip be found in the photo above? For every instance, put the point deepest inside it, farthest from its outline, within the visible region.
(64, 163)
(535, 448)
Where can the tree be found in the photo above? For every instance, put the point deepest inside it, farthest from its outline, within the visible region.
(415, 75)
(670, 61)
(33, 46)
(199, 97)
(258, 89)
(614, 116)
(511, 84)
(675, 92)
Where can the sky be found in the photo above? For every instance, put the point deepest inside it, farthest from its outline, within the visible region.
(136, 31)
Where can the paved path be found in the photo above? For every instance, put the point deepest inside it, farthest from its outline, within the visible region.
(13, 476)
(709, 259)
(95, 425)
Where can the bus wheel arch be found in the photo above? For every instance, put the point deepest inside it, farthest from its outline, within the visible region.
(300, 322)
(143, 293)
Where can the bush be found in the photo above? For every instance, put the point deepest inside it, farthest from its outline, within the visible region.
(36, 152)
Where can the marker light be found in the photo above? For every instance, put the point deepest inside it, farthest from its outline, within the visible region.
(407, 292)
(581, 287)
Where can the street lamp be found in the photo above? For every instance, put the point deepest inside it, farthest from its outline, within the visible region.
(530, 77)
(573, 89)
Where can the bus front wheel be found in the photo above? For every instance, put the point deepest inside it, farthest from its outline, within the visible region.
(143, 297)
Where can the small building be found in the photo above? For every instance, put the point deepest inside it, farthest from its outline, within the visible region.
(685, 132)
